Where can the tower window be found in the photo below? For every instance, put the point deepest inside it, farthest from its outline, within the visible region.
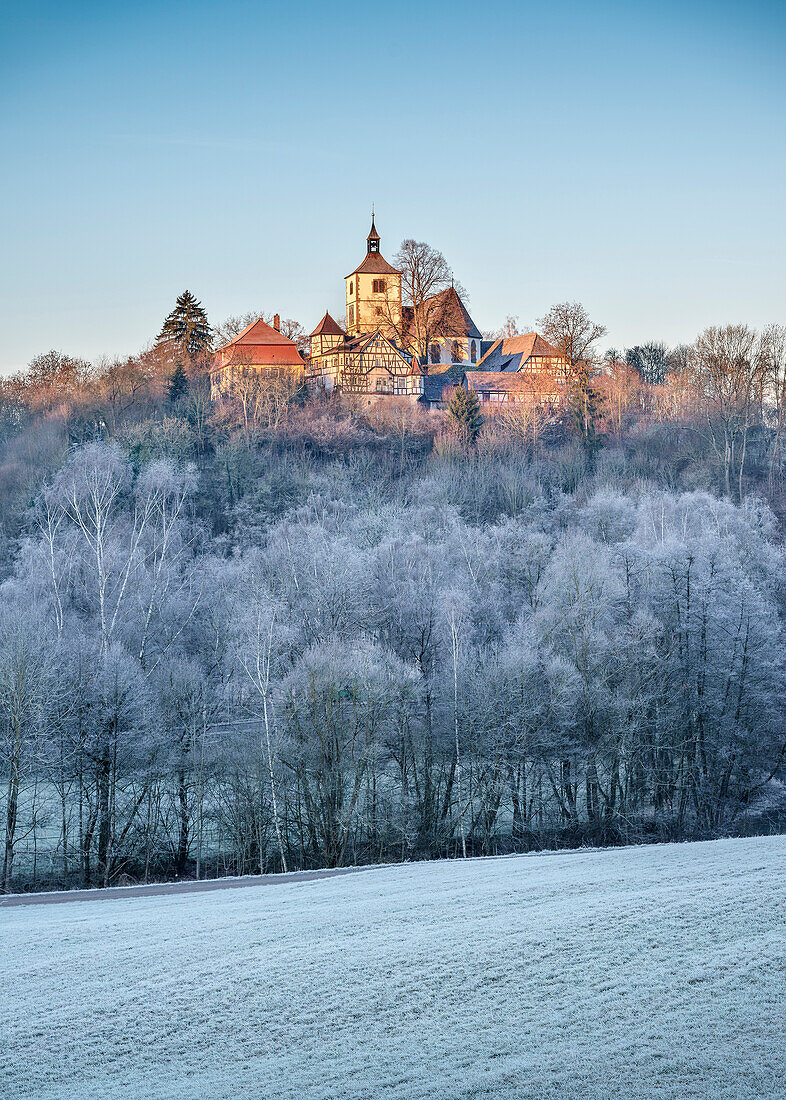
(351, 315)
(350, 287)
(378, 286)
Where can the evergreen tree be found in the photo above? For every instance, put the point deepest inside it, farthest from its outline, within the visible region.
(178, 383)
(583, 404)
(186, 329)
(464, 409)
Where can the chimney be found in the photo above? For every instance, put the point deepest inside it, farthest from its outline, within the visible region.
(277, 323)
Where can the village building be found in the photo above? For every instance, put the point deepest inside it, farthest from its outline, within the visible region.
(500, 388)
(367, 359)
(529, 352)
(447, 334)
(258, 348)
(388, 349)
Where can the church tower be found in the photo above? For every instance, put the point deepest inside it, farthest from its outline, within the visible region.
(374, 293)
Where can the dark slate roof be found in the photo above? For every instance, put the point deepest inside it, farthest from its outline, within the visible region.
(513, 352)
(434, 385)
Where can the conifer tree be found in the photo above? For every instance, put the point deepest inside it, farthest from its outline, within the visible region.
(186, 329)
(464, 409)
(583, 403)
(178, 383)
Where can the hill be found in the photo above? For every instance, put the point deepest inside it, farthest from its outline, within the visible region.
(640, 973)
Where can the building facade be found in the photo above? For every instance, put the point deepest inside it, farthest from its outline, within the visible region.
(258, 348)
(389, 348)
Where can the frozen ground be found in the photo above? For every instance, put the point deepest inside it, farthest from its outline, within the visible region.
(637, 973)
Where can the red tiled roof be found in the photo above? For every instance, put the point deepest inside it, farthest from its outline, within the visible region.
(258, 345)
(328, 327)
(257, 355)
(258, 332)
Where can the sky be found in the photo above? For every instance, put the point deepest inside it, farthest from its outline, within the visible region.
(631, 156)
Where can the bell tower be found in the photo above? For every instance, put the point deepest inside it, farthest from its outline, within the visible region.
(374, 293)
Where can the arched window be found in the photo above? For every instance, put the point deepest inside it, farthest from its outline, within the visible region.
(351, 315)
(434, 353)
(456, 353)
(473, 352)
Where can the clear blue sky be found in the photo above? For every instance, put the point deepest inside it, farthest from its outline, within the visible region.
(630, 155)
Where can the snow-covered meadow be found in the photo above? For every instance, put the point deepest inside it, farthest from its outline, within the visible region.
(633, 973)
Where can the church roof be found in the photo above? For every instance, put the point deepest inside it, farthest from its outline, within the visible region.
(451, 314)
(373, 235)
(328, 327)
(374, 263)
(513, 352)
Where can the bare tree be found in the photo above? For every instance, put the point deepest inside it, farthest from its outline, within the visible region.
(569, 328)
(728, 371)
(427, 313)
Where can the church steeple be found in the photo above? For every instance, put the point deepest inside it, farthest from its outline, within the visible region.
(373, 238)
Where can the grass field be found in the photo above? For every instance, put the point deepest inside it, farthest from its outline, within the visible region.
(633, 973)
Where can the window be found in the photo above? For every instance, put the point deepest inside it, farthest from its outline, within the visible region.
(473, 352)
(434, 353)
(351, 315)
(351, 285)
(378, 286)
(456, 353)
(378, 311)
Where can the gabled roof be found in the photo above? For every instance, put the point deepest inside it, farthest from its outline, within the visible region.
(374, 263)
(328, 327)
(513, 352)
(451, 314)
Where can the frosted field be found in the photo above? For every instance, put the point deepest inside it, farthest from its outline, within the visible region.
(636, 973)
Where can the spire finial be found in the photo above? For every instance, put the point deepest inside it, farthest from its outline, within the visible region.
(373, 236)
